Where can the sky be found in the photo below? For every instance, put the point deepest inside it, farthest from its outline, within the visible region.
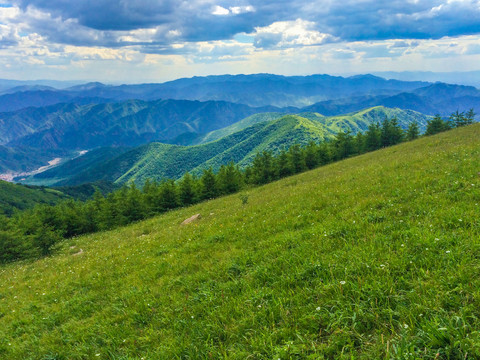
(134, 41)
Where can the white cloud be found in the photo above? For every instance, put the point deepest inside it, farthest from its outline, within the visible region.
(285, 34)
(221, 11)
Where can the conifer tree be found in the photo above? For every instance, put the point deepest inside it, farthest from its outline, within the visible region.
(208, 184)
(458, 119)
(392, 133)
(311, 155)
(343, 145)
(297, 158)
(324, 153)
(168, 195)
(282, 166)
(186, 190)
(373, 137)
(262, 168)
(437, 125)
(229, 179)
(470, 117)
(413, 131)
(359, 143)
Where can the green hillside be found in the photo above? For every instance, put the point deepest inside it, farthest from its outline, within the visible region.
(19, 197)
(359, 121)
(354, 122)
(375, 257)
(158, 161)
(238, 142)
(238, 126)
(77, 165)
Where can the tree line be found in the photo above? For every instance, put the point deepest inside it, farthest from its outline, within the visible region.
(33, 233)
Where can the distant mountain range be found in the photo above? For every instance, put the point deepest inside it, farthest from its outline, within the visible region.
(253, 90)
(129, 123)
(239, 142)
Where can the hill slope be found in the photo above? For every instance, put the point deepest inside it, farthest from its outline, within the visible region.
(354, 122)
(369, 258)
(158, 161)
(238, 142)
(19, 197)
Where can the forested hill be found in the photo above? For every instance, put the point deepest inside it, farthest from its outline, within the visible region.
(129, 123)
(239, 142)
(159, 161)
(19, 197)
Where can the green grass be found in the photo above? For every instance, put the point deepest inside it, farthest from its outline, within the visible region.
(374, 257)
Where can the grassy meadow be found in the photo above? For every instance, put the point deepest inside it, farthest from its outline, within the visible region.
(374, 257)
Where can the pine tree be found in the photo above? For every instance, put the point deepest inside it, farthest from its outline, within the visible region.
(262, 168)
(436, 125)
(413, 131)
(208, 181)
(186, 190)
(470, 117)
(282, 165)
(168, 195)
(391, 132)
(343, 145)
(311, 156)
(359, 142)
(297, 158)
(229, 179)
(458, 119)
(373, 137)
(324, 153)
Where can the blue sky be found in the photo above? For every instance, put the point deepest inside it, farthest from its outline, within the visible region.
(157, 40)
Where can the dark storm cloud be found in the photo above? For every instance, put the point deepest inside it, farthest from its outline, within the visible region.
(104, 22)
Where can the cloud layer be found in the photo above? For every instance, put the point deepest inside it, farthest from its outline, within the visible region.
(104, 21)
(65, 32)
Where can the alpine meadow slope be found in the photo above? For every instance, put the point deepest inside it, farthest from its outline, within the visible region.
(372, 257)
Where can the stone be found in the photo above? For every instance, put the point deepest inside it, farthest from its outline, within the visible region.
(191, 219)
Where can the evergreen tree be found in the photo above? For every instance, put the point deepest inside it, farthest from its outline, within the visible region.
(324, 153)
(13, 245)
(208, 185)
(282, 166)
(187, 190)
(436, 125)
(229, 179)
(373, 137)
(458, 119)
(343, 145)
(151, 197)
(470, 117)
(297, 158)
(262, 168)
(168, 195)
(44, 238)
(359, 143)
(391, 132)
(134, 204)
(311, 155)
(413, 131)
